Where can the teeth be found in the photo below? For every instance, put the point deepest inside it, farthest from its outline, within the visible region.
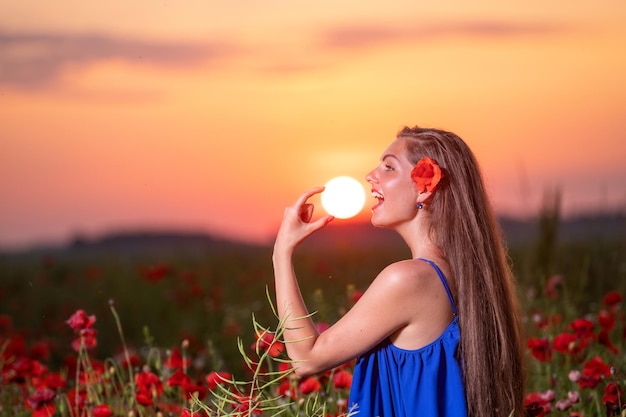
(376, 194)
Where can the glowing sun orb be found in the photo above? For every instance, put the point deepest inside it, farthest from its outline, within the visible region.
(343, 197)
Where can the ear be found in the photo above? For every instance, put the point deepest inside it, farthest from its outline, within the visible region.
(423, 197)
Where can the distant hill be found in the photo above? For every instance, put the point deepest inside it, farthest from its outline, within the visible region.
(337, 235)
(156, 240)
(515, 231)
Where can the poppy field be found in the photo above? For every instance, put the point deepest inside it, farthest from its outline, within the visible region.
(193, 332)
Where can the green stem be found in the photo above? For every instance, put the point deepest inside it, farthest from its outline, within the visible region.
(126, 353)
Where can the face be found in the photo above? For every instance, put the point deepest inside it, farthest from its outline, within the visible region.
(393, 187)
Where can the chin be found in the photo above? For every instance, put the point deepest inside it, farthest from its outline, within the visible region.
(378, 223)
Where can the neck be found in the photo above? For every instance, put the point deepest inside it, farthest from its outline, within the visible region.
(416, 235)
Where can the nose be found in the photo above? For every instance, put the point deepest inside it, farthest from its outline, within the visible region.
(371, 177)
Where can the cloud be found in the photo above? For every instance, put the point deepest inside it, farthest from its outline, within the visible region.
(35, 60)
(367, 36)
(328, 47)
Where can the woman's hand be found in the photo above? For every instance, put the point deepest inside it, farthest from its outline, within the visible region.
(296, 224)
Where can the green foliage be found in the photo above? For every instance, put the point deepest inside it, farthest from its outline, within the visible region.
(202, 305)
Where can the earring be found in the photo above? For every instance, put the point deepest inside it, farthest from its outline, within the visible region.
(419, 206)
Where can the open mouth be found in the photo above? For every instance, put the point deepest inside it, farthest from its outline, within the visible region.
(379, 198)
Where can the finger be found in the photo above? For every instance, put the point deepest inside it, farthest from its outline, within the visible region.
(321, 222)
(308, 194)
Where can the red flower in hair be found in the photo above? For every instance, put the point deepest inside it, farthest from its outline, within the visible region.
(426, 174)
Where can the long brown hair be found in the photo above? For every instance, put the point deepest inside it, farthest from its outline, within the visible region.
(465, 229)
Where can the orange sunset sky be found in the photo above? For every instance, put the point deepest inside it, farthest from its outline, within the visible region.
(214, 115)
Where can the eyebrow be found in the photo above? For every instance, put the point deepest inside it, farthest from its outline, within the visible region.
(389, 155)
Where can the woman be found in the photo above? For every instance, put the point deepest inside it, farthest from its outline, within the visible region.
(437, 334)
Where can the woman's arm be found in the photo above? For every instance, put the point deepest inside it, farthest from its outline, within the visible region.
(388, 304)
(295, 227)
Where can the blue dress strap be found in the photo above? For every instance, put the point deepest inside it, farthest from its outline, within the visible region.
(442, 277)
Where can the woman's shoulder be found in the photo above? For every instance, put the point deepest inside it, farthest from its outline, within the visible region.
(413, 272)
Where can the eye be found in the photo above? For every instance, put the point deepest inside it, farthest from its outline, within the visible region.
(387, 167)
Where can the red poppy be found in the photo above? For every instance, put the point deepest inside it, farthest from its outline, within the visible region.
(156, 273)
(192, 389)
(102, 410)
(342, 379)
(284, 367)
(267, 341)
(181, 411)
(45, 410)
(540, 349)
(148, 386)
(188, 386)
(539, 403)
(606, 319)
(593, 371)
(287, 389)
(87, 338)
(533, 409)
(144, 398)
(15, 346)
(612, 298)
(78, 398)
(613, 398)
(552, 285)
(80, 321)
(582, 328)
(93, 376)
(175, 360)
(596, 366)
(218, 378)
(185, 412)
(40, 397)
(246, 406)
(309, 385)
(426, 174)
(53, 381)
(178, 379)
(34, 368)
(605, 340)
(564, 343)
(148, 381)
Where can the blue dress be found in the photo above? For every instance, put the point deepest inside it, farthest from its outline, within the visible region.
(392, 382)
